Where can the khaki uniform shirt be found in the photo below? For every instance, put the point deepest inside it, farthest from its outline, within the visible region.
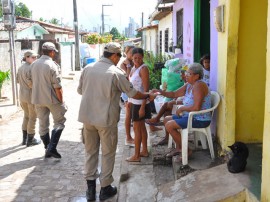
(45, 78)
(23, 78)
(100, 86)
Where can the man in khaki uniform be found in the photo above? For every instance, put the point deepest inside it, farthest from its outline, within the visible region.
(29, 114)
(101, 86)
(47, 97)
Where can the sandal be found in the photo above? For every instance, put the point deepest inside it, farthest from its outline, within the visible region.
(129, 143)
(131, 159)
(172, 153)
(161, 142)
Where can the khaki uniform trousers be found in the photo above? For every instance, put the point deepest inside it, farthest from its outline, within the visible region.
(93, 137)
(29, 117)
(58, 113)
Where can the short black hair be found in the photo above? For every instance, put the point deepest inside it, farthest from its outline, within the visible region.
(107, 54)
(204, 57)
(138, 50)
(46, 52)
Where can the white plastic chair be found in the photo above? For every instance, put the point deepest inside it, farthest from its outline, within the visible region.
(215, 99)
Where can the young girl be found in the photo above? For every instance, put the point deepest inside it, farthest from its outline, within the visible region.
(205, 62)
(141, 110)
(127, 65)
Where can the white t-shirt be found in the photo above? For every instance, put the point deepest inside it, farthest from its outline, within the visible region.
(206, 77)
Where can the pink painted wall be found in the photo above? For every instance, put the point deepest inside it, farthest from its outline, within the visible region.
(188, 31)
(213, 47)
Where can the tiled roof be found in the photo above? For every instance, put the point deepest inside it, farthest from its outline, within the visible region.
(19, 26)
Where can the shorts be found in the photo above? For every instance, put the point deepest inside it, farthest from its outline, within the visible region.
(135, 112)
(182, 122)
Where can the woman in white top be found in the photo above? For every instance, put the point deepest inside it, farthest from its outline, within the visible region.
(141, 110)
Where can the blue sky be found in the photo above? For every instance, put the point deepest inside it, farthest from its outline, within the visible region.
(89, 11)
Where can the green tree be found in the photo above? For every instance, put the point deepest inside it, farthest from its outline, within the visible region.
(54, 21)
(42, 19)
(1, 11)
(139, 34)
(115, 33)
(20, 10)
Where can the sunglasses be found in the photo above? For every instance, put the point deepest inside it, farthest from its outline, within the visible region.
(119, 55)
(34, 57)
(189, 73)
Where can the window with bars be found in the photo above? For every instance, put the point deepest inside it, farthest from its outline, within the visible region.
(166, 40)
(179, 21)
(160, 41)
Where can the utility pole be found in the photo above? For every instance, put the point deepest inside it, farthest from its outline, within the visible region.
(142, 19)
(102, 18)
(8, 7)
(77, 49)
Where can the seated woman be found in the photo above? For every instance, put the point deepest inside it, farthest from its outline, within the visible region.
(197, 97)
(166, 110)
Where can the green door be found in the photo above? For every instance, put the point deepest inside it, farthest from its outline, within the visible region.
(201, 28)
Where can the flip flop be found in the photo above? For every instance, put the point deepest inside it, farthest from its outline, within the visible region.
(143, 155)
(173, 153)
(129, 159)
(129, 143)
(161, 142)
(153, 124)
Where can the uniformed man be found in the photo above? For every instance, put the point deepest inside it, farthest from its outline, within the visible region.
(101, 86)
(47, 97)
(29, 114)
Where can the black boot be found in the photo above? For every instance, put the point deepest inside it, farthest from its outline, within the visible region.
(46, 141)
(53, 144)
(31, 141)
(107, 192)
(91, 191)
(24, 137)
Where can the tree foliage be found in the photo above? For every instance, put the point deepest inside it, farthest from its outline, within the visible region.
(54, 21)
(95, 38)
(115, 33)
(20, 10)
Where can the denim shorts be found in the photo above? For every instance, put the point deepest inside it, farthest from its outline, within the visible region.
(182, 122)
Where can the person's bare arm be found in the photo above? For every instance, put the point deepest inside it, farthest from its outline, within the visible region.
(59, 94)
(199, 91)
(173, 94)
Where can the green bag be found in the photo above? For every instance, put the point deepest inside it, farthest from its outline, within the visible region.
(174, 81)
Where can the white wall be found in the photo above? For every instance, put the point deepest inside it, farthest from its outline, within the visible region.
(150, 43)
(165, 23)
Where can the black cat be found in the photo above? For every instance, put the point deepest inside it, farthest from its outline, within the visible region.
(238, 161)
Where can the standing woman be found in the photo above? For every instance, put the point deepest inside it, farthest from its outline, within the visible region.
(29, 117)
(127, 65)
(141, 110)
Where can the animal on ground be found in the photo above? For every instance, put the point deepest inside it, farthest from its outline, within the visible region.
(238, 161)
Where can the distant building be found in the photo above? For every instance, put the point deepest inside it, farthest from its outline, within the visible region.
(130, 31)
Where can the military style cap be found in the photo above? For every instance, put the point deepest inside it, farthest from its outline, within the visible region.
(30, 53)
(112, 47)
(49, 46)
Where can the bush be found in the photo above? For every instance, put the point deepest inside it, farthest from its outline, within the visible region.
(3, 77)
(153, 61)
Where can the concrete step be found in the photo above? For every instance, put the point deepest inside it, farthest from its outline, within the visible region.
(212, 184)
